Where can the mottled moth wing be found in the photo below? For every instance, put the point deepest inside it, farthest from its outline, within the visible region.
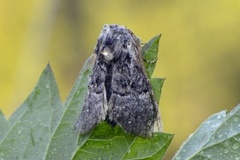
(94, 109)
(119, 90)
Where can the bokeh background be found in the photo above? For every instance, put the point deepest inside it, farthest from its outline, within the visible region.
(199, 51)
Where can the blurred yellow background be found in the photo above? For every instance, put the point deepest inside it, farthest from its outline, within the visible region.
(199, 51)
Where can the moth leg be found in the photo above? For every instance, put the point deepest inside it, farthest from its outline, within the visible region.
(158, 126)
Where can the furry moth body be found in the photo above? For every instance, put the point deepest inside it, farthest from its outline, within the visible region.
(119, 90)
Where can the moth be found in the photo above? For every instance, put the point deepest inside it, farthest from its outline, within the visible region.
(119, 90)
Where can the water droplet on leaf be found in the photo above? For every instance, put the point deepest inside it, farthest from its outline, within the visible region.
(235, 146)
(225, 150)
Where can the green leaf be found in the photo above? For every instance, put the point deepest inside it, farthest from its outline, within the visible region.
(217, 138)
(153, 148)
(31, 129)
(4, 125)
(150, 55)
(65, 139)
(107, 142)
(157, 84)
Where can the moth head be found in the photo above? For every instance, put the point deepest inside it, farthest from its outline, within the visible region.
(116, 41)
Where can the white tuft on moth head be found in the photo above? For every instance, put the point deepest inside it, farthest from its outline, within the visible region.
(107, 54)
